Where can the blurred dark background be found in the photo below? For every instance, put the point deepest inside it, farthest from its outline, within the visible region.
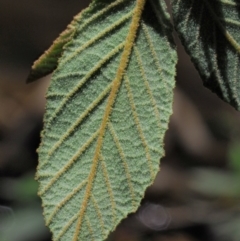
(195, 196)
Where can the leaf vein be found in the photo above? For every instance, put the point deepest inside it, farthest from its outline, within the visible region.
(109, 188)
(196, 40)
(230, 21)
(138, 125)
(228, 36)
(101, 13)
(66, 227)
(124, 162)
(83, 81)
(69, 163)
(89, 227)
(215, 65)
(149, 91)
(186, 20)
(99, 214)
(158, 15)
(70, 130)
(226, 2)
(64, 201)
(96, 38)
(153, 52)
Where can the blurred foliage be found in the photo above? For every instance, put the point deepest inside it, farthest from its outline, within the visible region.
(21, 189)
(234, 156)
(25, 221)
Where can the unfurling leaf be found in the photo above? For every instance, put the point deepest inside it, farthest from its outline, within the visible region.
(210, 32)
(108, 108)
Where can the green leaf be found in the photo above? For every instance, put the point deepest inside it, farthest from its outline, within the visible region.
(108, 108)
(48, 61)
(234, 156)
(210, 32)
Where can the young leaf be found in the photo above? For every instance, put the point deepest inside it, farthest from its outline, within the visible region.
(48, 61)
(108, 107)
(210, 32)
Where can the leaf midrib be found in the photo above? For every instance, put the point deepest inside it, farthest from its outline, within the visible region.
(115, 88)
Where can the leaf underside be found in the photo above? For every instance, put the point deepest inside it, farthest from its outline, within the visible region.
(210, 33)
(108, 108)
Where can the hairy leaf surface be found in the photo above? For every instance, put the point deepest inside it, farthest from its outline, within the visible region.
(108, 108)
(210, 32)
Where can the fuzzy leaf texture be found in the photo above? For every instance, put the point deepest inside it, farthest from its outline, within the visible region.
(108, 108)
(210, 33)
